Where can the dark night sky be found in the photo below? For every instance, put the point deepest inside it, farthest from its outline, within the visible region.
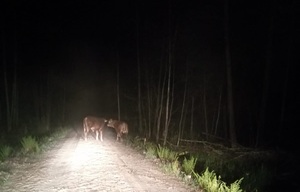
(80, 40)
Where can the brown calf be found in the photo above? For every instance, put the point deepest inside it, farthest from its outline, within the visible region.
(121, 127)
(95, 124)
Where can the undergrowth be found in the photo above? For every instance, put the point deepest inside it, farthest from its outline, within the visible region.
(186, 169)
(30, 145)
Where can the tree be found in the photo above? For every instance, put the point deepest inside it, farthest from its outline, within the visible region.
(11, 91)
(232, 129)
(181, 124)
(139, 72)
(265, 91)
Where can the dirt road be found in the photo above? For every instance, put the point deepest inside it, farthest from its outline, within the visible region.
(75, 165)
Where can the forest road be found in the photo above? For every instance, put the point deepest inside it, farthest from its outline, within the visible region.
(75, 165)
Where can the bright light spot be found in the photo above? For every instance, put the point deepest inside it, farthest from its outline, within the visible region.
(82, 155)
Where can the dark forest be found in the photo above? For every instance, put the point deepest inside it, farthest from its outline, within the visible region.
(215, 70)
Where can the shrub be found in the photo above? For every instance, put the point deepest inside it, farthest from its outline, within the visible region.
(137, 142)
(209, 181)
(5, 152)
(165, 154)
(235, 186)
(172, 167)
(30, 145)
(59, 133)
(188, 166)
(151, 150)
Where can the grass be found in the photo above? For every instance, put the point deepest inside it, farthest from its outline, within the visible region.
(188, 165)
(150, 150)
(255, 169)
(136, 142)
(166, 155)
(209, 181)
(5, 152)
(30, 145)
(172, 167)
(170, 164)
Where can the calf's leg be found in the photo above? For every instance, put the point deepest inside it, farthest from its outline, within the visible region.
(101, 136)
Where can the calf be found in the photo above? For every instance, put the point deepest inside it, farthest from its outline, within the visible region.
(95, 124)
(121, 127)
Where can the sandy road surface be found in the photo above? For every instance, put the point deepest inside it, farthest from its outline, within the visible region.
(75, 165)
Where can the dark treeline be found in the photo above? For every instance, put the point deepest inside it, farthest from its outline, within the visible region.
(166, 63)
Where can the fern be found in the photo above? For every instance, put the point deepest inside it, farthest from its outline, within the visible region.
(30, 144)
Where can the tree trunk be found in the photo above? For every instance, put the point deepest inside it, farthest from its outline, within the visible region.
(11, 91)
(232, 129)
(64, 104)
(48, 102)
(171, 97)
(289, 60)
(182, 108)
(262, 114)
(160, 108)
(14, 101)
(139, 73)
(118, 87)
(149, 104)
(166, 127)
(169, 64)
(160, 99)
(43, 102)
(6, 86)
(192, 119)
(218, 114)
(204, 108)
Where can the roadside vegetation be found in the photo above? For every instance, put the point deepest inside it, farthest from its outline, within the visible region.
(209, 166)
(26, 146)
(212, 167)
